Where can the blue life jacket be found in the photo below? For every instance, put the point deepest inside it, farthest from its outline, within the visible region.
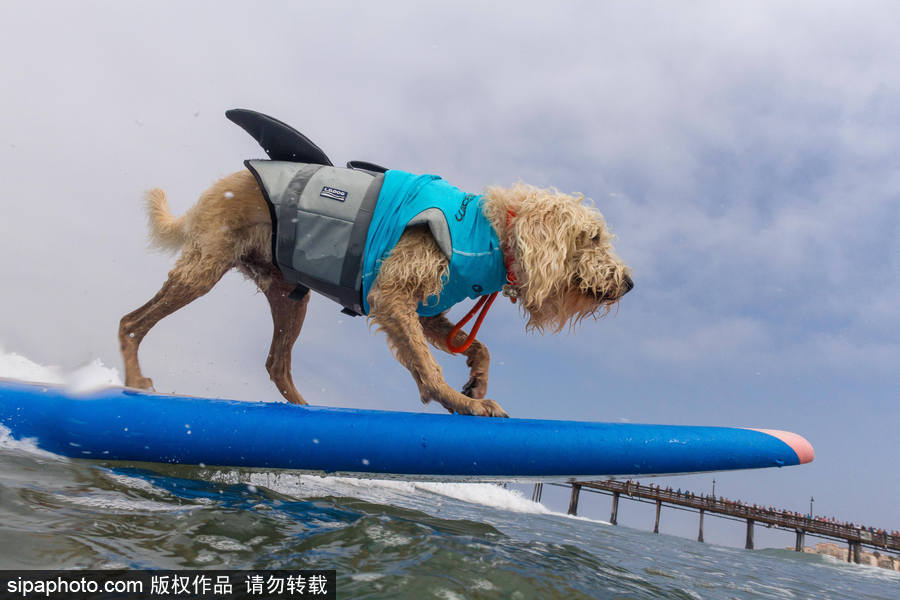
(458, 225)
(333, 227)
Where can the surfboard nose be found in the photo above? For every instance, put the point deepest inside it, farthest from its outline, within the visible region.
(798, 443)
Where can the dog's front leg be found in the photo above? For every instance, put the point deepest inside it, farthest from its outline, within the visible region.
(394, 311)
(478, 359)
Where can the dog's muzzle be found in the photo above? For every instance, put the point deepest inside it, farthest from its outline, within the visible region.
(627, 285)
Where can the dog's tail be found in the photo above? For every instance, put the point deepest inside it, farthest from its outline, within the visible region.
(166, 231)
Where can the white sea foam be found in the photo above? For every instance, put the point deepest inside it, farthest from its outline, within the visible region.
(448, 595)
(366, 576)
(381, 535)
(93, 376)
(113, 502)
(870, 571)
(16, 366)
(587, 519)
(416, 494)
(87, 378)
(487, 494)
(25, 445)
(137, 484)
(219, 542)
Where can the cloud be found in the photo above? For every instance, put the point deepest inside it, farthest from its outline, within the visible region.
(721, 341)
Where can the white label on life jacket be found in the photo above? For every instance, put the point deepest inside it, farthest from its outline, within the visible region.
(333, 193)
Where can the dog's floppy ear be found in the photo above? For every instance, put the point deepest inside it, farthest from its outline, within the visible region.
(544, 234)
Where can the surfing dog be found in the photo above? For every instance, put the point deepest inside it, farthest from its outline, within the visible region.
(560, 261)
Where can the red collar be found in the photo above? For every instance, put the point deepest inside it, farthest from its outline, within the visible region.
(511, 289)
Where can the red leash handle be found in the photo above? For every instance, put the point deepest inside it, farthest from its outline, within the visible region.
(485, 301)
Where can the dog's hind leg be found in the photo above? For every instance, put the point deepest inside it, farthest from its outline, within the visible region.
(478, 359)
(195, 273)
(287, 319)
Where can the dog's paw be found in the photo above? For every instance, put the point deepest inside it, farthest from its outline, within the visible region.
(141, 383)
(475, 388)
(486, 408)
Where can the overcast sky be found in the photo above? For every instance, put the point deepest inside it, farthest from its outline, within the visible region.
(746, 154)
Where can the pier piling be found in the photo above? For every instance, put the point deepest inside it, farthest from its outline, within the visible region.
(614, 515)
(573, 501)
(700, 537)
(801, 537)
(749, 545)
(538, 490)
(656, 525)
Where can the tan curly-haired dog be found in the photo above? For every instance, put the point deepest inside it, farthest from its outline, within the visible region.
(560, 250)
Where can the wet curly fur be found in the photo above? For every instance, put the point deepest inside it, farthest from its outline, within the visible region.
(563, 260)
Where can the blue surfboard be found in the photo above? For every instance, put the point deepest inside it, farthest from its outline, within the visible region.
(121, 424)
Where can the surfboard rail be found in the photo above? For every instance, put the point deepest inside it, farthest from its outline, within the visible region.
(122, 424)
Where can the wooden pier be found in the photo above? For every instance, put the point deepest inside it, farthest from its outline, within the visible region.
(855, 537)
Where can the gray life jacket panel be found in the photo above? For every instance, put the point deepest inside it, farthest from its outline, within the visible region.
(320, 217)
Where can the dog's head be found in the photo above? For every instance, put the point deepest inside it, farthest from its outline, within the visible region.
(562, 254)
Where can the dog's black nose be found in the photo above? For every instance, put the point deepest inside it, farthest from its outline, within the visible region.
(629, 285)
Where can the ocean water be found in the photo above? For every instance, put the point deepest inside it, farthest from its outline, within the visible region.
(386, 539)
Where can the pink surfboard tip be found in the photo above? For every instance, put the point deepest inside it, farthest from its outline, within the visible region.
(798, 444)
